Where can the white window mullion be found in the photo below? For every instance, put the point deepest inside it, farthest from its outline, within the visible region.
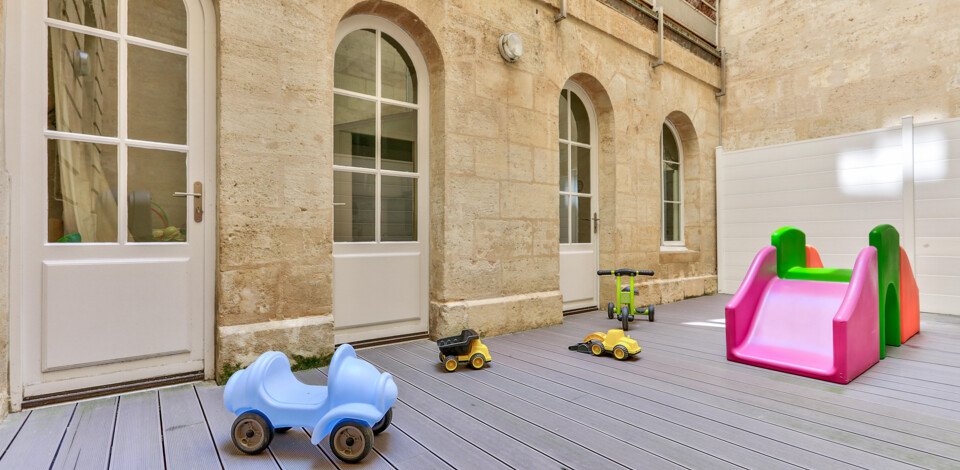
(122, 123)
(376, 145)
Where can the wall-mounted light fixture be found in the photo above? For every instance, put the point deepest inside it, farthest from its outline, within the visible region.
(511, 47)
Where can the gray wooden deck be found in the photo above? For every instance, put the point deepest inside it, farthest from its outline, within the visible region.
(681, 404)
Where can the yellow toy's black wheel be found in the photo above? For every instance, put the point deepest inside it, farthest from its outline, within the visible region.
(620, 352)
(596, 347)
(450, 363)
(477, 361)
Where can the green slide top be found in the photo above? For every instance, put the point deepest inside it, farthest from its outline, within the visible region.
(791, 245)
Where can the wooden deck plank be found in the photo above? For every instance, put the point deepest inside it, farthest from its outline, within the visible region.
(609, 446)
(137, 441)
(796, 432)
(448, 446)
(88, 439)
(219, 422)
(770, 385)
(399, 449)
(693, 342)
(886, 442)
(39, 438)
(543, 441)
(495, 448)
(634, 401)
(186, 439)
(294, 451)
(607, 417)
(9, 427)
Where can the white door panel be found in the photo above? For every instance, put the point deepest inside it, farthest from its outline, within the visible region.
(579, 204)
(113, 267)
(118, 310)
(380, 188)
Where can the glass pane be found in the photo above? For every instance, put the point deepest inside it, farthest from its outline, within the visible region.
(398, 209)
(157, 95)
(564, 219)
(354, 206)
(581, 169)
(153, 213)
(564, 168)
(101, 14)
(158, 20)
(398, 78)
(82, 93)
(81, 189)
(580, 126)
(398, 141)
(355, 65)
(670, 150)
(671, 221)
(354, 131)
(671, 182)
(581, 222)
(563, 114)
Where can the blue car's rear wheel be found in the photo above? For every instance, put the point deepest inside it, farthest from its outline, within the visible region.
(351, 441)
(251, 432)
(383, 423)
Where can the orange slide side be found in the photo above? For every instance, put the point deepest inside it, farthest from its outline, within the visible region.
(813, 258)
(909, 300)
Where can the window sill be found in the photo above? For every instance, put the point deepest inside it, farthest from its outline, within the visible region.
(678, 254)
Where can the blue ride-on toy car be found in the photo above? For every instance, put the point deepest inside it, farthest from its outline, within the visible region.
(267, 397)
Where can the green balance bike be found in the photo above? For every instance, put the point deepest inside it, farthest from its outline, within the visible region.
(626, 307)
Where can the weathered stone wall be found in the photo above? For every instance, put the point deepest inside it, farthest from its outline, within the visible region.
(493, 163)
(802, 70)
(4, 242)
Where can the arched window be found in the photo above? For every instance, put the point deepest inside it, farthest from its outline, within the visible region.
(672, 167)
(576, 155)
(376, 151)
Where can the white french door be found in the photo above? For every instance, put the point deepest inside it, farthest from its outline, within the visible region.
(579, 206)
(113, 202)
(380, 227)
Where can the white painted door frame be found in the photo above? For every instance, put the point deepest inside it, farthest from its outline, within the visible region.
(25, 48)
(359, 290)
(571, 250)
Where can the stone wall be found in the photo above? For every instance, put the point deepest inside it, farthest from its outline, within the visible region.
(4, 243)
(802, 70)
(493, 163)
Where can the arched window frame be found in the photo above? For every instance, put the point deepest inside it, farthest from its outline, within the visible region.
(680, 243)
(383, 25)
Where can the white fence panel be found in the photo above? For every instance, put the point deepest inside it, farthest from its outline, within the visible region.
(838, 188)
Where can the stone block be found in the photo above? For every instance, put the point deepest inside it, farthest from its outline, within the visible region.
(304, 336)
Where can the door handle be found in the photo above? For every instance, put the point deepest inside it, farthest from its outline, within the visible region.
(596, 221)
(197, 196)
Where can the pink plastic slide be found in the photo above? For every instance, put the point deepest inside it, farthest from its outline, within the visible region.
(819, 329)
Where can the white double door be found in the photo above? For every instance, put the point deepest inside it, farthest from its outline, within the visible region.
(579, 205)
(112, 163)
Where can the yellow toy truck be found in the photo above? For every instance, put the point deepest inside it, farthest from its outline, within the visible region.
(465, 347)
(613, 342)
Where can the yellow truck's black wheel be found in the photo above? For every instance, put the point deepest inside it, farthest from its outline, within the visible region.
(620, 352)
(477, 361)
(450, 363)
(596, 347)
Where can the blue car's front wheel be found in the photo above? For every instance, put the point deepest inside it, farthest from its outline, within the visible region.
(351, 441)
(251, 432)
(383, 423)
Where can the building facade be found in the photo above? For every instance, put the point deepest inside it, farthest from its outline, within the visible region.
(294, 175)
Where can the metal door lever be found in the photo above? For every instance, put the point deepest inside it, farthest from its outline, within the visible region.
(197, 195)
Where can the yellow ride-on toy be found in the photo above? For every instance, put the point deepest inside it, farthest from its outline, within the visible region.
(614, 342)
(465, 347)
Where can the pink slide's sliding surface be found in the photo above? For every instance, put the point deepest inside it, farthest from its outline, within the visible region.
(825, 330)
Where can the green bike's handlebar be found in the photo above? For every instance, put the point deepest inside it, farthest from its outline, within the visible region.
(624, 272)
